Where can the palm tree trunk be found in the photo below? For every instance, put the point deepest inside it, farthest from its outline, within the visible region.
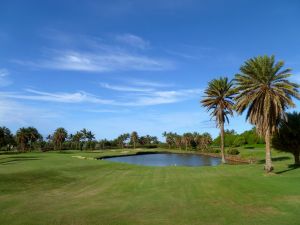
(222, 143)
(134, 145)
(268, 165)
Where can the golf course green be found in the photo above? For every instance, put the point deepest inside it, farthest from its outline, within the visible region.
(71, 188)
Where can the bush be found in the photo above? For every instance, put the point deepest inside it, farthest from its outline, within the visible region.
(149, 146)
(233, 151)
(239, 141)
(212, 150)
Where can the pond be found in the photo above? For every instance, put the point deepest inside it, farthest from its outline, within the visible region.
(167, 159)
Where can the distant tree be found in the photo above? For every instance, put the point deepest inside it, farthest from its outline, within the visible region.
(59, 137)
(178, 140)
(187, 138)
(122, 139)
(218, 99)
(239, 141)
(207, 139)
(263, 89)
(287, 139)
(169, 138)
(202, 140)
(6, 138)
(104, 143)
(77, 138)
(134, 138)
(25, 137)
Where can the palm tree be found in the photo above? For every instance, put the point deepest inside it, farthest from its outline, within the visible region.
(134, 138)
(122, 139)
(218, 99)
(287, 139)
(89, 135)
(77, 137)
(187, 138)
(263, 89)
(6, 138)
(59, 137)
(169, 138)
(21, 138)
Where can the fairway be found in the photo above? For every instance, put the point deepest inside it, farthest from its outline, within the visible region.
(56, 188)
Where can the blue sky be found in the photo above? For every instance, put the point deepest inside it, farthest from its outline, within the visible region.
(117, 66)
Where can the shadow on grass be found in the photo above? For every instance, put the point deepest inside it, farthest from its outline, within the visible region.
(290, 167)
(275, 159)
(16, 159)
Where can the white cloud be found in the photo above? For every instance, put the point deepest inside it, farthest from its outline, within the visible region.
(92, 54)
(76, 97)
(150, 83)
(4, 81)
(166, 97)
(107, 110)
(3, 72)
(138, 99)
(133, 40)
(13, 113)
(99, 62)
(125, 88)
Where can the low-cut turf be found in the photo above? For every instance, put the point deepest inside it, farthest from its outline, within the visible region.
(56, 188)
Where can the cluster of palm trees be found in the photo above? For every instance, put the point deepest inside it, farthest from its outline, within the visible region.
(134, 139)
(187, 140)
(26, 137)
(80, 138)
(262, 89)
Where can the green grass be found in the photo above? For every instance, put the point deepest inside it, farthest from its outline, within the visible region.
(56, 188)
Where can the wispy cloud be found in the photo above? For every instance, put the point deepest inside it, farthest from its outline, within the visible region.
(92, 54)
(133, 40)
(3, 72)
(76, 97)
(125, 88)
(185, 55)
(107, 110)
(19, 114)
(166, 97)
(150, 83)
(138, 99)
(4, 80)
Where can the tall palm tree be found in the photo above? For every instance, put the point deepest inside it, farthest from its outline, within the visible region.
(169, 138)
(59, 137)
(187, 138)
(134, 138)
(263, 89)
(22, 137)
(178, 140)
(218, 99)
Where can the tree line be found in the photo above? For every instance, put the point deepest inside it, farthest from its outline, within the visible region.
(29, 138)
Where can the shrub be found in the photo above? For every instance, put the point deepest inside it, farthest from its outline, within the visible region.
(233, 151)
(239, 141)
(212, 150)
